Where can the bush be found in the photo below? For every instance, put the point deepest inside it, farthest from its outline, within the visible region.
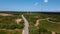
(11, 26)
(20, 26)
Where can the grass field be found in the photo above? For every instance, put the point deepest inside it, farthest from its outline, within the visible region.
(17, 31)
(50, 26)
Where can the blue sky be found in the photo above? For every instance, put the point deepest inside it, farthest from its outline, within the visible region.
(29, 5)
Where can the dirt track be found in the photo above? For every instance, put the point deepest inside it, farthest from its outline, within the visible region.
(37, 23)
(25, 30)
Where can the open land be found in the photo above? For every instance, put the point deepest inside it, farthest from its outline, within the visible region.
(39, 22)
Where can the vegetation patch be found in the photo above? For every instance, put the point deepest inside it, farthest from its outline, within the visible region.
(49, 26)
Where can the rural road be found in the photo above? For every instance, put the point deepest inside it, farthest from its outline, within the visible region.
(26, 25)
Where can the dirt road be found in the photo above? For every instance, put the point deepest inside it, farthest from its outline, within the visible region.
(25, 30)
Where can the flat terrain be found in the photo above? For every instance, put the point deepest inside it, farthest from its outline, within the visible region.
(39, 23)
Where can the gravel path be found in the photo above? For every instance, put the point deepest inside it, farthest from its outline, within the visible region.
(25, 30)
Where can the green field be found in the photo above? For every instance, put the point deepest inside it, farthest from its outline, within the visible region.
(44, 27)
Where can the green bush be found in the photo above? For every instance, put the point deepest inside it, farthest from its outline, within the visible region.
(20, 25)
(11, 26)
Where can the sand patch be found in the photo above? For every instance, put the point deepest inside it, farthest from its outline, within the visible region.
(5, 14)
(18, 21)
(53, 33)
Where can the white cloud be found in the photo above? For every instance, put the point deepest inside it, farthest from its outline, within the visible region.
(36, 3)
(45, 1)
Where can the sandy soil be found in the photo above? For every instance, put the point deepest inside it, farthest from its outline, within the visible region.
(53, 33)
(5, 14)
(37, 21)
(18, 21)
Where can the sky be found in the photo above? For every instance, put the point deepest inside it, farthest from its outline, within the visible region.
(29, 5)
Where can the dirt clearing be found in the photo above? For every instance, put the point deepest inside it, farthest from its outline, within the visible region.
(5, 14)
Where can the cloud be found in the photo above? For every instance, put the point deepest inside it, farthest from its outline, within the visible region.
(36, 3)
(45, 1)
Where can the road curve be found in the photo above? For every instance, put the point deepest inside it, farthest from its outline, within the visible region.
(26, 25)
